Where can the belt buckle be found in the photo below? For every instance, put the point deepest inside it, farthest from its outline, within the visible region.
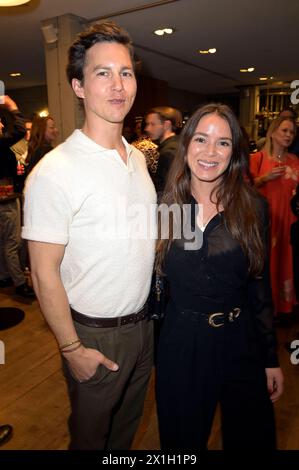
(212, 318)
(234, 314)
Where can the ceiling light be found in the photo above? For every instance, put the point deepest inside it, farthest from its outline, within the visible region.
(44, 113)
(15, 74)
(12, 3)
(161, 32)
(212, 50)
(263, 78)
(249, 69)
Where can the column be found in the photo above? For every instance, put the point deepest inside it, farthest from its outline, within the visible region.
(64, 106)
(249, 98)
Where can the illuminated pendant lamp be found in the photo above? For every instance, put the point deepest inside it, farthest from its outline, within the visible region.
(12, 3)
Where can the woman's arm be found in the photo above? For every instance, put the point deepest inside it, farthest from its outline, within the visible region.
(261, 301)
(255, 168)
(18, 130)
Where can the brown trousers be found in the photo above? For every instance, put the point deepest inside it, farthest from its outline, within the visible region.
(106, 408)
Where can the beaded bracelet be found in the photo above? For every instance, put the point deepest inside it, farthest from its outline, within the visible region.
(70, 343)
(72, 349)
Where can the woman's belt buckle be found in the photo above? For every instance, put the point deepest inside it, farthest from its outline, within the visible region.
(234, 314)
(213, 317)
(231, 316)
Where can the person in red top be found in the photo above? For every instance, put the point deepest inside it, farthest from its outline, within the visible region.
(276, 174)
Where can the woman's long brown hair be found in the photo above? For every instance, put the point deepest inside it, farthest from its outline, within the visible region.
(233, 191)
(37, 135)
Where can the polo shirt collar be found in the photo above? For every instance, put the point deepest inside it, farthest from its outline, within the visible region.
(86, 144)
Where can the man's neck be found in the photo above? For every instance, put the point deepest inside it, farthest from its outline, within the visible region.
(107, 135)
(166, 135)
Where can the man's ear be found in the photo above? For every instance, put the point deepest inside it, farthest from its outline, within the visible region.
(78, 88)
(167, 125)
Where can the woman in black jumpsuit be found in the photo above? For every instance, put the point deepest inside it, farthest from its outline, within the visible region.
(217, 343)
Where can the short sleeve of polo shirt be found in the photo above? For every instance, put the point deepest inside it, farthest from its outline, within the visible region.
(47, 208)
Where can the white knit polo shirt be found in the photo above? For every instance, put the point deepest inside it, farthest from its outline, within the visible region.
(85, 197)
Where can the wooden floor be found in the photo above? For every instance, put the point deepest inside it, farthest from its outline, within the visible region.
(33, 395)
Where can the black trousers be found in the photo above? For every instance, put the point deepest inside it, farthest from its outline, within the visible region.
(199, 366)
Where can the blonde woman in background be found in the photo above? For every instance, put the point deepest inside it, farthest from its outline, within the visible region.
(276, 174)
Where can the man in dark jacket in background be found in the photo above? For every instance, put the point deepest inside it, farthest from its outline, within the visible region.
(162, 124)
(9, 204)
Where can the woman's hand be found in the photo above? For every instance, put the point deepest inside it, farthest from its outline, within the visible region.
(274, 382)
(275, 173)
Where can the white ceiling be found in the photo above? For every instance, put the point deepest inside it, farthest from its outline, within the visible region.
(259, 33)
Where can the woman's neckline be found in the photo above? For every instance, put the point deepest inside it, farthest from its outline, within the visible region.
(279, 157)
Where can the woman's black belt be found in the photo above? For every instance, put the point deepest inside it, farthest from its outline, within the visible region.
(217, 319)
(109, 322)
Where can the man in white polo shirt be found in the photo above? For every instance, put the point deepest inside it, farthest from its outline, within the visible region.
(90, 271)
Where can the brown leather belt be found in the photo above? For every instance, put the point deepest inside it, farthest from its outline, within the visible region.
(96, 322)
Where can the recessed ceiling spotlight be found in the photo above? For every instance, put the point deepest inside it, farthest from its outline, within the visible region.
(161, 32)
(43, 113)
(15, 74)
(249, 69)
(212, 50)
(12, 3)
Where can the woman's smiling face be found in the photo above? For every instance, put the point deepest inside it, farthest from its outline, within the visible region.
(210, 149)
